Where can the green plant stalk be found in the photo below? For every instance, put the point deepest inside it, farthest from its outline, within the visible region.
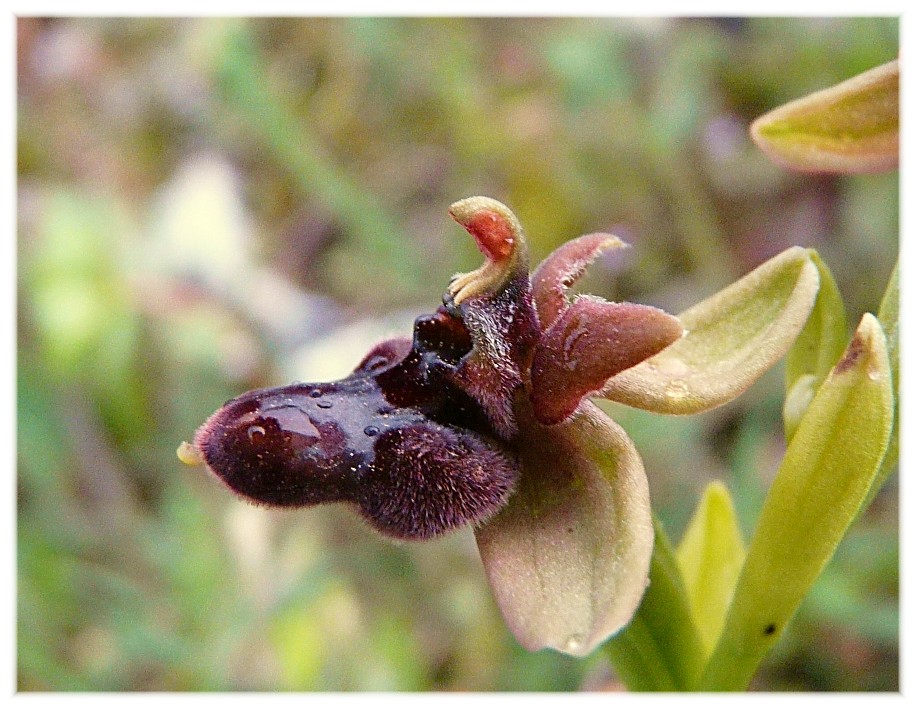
(660, 650)
(817, 493)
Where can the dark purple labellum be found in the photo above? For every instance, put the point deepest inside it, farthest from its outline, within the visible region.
(396, 438)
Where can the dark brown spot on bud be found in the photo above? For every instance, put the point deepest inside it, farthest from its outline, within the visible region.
(851, 356)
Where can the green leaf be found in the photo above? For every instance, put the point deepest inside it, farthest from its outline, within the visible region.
(568, 557)
(888, 316)
(710, 557)
(818, 490)
(732, 338)
(661, 648)
(852, 127)
(817, 348)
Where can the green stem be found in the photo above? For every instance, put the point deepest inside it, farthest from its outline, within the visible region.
(661, 649)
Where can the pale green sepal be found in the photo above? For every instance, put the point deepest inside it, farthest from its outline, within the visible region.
(732, 338)
(660, 649)
(710, 557)
(852, 127)
(820, 485)
(817, 348)
(888, 317)
(568, 557)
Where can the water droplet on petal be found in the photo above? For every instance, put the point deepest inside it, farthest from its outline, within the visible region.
(573, 644)
(255, 433)
(325, 404)
(371, 430)
(676, 389)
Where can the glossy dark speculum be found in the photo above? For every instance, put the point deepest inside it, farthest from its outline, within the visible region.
(396, 438)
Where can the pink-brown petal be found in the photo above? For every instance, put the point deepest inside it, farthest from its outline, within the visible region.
(590, 342)
(732, 338)
(562, 269)
(568, 557)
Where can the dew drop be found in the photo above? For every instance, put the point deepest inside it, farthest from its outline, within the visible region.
(573, 644)
(256, 432)
(371, 430)
(676, 389)
(325, 404)
(315, 393)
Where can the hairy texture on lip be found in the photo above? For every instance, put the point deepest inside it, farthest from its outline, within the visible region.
(504, 331)
(562, 269)
(429, 479)
(277, 447)
(591, 341)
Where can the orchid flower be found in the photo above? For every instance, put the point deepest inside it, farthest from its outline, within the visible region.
(483, 418)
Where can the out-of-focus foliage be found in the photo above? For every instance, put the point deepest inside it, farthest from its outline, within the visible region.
(207, 206)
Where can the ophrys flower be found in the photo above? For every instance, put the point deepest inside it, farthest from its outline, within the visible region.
(483, 418)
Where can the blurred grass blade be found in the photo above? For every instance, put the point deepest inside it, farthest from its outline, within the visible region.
(244, 83)
(888, 317)
(818, 490)
(852, 127)
(817, 348)
(710, 557)
(733, 337)
(660, 650)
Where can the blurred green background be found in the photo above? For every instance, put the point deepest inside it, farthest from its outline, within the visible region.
(207, 206)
